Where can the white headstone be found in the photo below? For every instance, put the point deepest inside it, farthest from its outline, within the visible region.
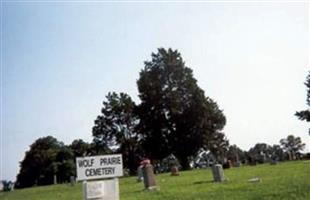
(101, 190)
(140, 173)
(218, 173)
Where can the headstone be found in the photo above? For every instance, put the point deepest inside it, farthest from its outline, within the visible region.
(237, 164)
(140, 173)
(274, 162)
(255, 180)
(149, 177)
(174, 170)
(252, 161)
(227, 164)
(218, 173)
(72, 180)
(101, 190)
(55, 179)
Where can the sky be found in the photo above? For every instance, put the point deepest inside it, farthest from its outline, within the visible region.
(59, 60)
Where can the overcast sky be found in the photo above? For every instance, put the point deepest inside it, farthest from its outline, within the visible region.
(59, 60)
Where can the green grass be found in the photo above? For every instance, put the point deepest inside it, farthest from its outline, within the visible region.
(290, 180)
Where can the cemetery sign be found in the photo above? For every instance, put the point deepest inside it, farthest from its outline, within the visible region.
(99, 167)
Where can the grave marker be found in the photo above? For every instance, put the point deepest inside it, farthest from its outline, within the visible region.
(174, 170)
(140, 173)
(218, 173)
(149, 177)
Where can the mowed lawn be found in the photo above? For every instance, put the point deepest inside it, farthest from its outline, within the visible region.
(289, 180)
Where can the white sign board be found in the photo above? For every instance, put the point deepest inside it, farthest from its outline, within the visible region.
(99, 167)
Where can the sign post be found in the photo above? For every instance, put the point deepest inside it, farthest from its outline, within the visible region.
(98, 168)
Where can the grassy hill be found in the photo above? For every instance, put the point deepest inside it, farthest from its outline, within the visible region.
(290, 180)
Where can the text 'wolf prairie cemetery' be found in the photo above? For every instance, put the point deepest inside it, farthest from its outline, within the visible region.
(99, 167)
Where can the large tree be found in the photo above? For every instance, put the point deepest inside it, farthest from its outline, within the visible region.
(175, 115)
(115, 128)
(305, 114)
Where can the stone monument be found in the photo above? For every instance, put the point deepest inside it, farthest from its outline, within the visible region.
(218, 173)
(149, 177)
(101, 190)
(55, 179)
(237, 164)
(174, 170)
(140, 173)
(72, 180)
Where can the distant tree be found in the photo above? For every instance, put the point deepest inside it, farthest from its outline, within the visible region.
(46, 158)
(292, 145)
(80, 148)
(277, 153)
(261, 152)
(235, 154)
(115, 128)
(218, 144)
(65, 164)
(175, 116)
(305, 114)
(38, 166)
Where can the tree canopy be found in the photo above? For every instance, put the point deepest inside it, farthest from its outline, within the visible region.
(292, 145)
(39, 165)
(115, 128)
(175, 115)
(305, 114)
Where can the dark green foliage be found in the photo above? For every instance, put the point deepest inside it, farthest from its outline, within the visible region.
(7, 185)
(115, 128)
(235, 154)
(175, 116)
(260, 153)
(218, 145)
(46, 158)
(38, 166)
(305, 114)
(292, 145)
(277, 153)
(80, 148)
(65, 164)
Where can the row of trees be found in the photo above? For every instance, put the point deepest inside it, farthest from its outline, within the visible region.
(49, 157)
(289, 148)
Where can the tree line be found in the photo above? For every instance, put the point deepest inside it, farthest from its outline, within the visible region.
(173, 117)
(48, 157)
